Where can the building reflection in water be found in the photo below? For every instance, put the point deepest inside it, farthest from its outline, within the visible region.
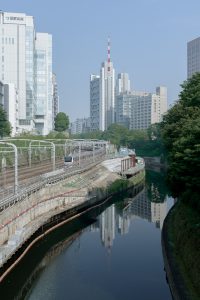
(113, 218)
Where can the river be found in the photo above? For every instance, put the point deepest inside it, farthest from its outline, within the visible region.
(111, 253)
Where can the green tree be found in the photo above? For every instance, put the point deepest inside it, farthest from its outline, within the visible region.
(5, 127)
(181, 134)
(61, 122)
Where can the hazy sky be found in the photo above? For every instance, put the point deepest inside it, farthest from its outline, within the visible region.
(148, 41)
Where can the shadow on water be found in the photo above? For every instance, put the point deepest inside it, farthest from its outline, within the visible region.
(21, 279)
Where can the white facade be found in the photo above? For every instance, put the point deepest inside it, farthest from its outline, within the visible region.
(19, 65)
(14, 28)
(107, 96)
(11, 106)
(1, 93)
(94, 101)
(138, 110)
(44, 89)
(193, 57)
(122, 83)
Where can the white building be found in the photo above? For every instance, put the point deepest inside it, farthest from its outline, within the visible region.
(193, 57)
(102, 96)
(94, 101)
(138, 110)
(122, 83)
(44, 88)
(18, 66)
(107, 96)
(11, 106)
(1, 93)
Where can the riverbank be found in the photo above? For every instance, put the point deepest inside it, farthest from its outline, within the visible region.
(181, 246)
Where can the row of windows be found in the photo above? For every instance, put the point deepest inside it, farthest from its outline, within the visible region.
(9, 41)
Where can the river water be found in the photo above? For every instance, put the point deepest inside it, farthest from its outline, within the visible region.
(111, 253)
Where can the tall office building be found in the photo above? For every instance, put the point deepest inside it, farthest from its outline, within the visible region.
(11, 106)
(44, 89)
(1, 93)
(17, 58)
(94, 101)
(102, 96)
(107, 96)
(122, 83)
(138, 110)
(19, 66)
(193, 57)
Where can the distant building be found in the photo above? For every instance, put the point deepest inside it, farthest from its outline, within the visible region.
(193, 57)
(1, 93)
(94, 101)
(107, 96)
(102, 96)
(80, 126)
(138, 110)
(122, 83)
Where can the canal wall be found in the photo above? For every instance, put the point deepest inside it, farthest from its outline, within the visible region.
(19, 222)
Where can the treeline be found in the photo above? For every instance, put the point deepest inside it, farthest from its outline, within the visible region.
(145, 142)
(180, 131)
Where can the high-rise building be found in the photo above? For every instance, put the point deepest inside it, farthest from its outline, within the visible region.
(17, 58)
(107, 96)
(193, 57)
(1, 93)
(19, 65)
(11, 106)
(44, 89)
(94, 101)
(102, 96)
(122, 83)
(138, 110)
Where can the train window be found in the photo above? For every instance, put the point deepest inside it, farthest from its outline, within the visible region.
(68, 159)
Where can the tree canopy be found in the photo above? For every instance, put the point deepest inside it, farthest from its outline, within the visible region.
(181, 134)
(61, 122)
(5, 127)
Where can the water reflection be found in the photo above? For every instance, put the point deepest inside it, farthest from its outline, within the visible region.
(119, 216)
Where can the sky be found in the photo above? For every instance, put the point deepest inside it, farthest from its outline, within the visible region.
(148, 41)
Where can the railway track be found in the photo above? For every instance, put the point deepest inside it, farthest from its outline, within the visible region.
(29, 175)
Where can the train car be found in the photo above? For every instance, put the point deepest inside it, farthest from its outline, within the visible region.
(68, 161)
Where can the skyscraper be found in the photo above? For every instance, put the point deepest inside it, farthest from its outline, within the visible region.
(102, 96)
(107, 93)
(94, 101)
(193, 57)
(44, 88)
(17, 58)
(19, 47)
